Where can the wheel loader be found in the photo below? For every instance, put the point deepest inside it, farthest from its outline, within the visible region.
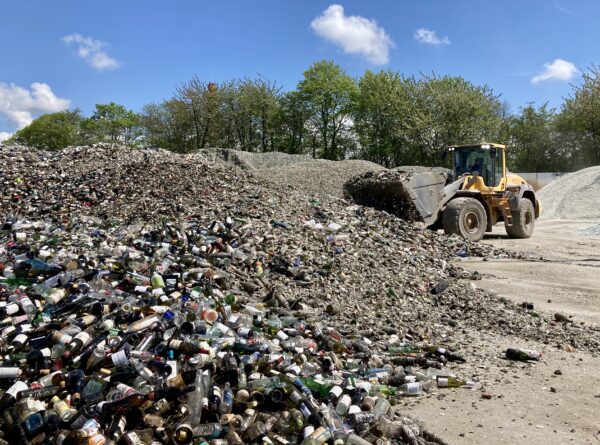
(477, 194)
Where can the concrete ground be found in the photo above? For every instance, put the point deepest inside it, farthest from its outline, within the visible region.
(530, 403)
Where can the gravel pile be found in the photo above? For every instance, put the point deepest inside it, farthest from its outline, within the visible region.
(253, 161)
(422, 169)
(316, 177)
(575, 196)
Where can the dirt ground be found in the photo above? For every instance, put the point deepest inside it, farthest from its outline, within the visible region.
(530, 403)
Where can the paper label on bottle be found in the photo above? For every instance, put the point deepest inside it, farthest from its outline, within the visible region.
(84, 337)
(413, 387)
(21, 338)
(61, 337)
(52, 281)
(345, 400)
(364, 385)
(294, 369)
(354, 409)
(12, 308)
(62, 409)
(120, 358)
(175, 344)
(108, 324)
(87, 320)
(308, 430)
(17, 388)
(47, 379)
(336, 391)
(174, 368)
(10, 372)
(25, 301)
(442, 382)
(19, 319)
(244, 332)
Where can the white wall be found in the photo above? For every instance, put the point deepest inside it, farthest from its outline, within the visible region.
(541, 179)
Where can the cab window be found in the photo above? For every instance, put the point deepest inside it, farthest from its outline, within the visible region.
(471, 160)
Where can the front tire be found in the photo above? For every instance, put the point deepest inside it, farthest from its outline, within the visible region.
(523, 220)
(465, 217)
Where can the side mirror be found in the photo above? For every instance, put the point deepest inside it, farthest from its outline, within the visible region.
(444, 154)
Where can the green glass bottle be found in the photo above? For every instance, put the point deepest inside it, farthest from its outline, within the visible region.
(449, 382)
(320, 388)
(383, 389)
(405, 348)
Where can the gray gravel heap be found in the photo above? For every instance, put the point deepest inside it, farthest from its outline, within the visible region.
(314, 176)
(575, 196)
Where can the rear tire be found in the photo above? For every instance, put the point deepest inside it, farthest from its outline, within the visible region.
(523, 220)
(465, 217)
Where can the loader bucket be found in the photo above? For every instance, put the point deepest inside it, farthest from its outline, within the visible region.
(410, 196)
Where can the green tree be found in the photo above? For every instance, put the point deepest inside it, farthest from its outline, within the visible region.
(262, 101)
(168, 125)
(113, 123)
(328, 91)
(291, 132)
(379, 108)
(248, 113)
(533, 142)
(404, 120)
(453, 111)
(201, 103)
(579, 120)
(51, 131)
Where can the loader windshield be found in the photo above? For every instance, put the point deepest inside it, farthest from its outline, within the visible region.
(469, 160)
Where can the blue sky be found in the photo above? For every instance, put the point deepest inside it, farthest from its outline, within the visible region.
(58, 54)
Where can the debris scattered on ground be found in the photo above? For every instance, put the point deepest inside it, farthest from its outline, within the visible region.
(562, 318)
(522, 354)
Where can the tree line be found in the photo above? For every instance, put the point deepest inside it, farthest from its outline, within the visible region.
(383, 117)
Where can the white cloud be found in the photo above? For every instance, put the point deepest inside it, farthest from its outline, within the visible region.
(563, 9)
(354, 34)
(4, 136)
(92, 51)
(559, 70)
(18, 104)
(430, 37)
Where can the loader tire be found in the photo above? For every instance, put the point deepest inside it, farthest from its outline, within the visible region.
(523, 220)
(465, 217)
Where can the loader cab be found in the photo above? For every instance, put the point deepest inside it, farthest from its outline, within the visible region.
(485, 160)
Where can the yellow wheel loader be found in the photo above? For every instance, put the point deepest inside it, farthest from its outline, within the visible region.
(478, 193)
